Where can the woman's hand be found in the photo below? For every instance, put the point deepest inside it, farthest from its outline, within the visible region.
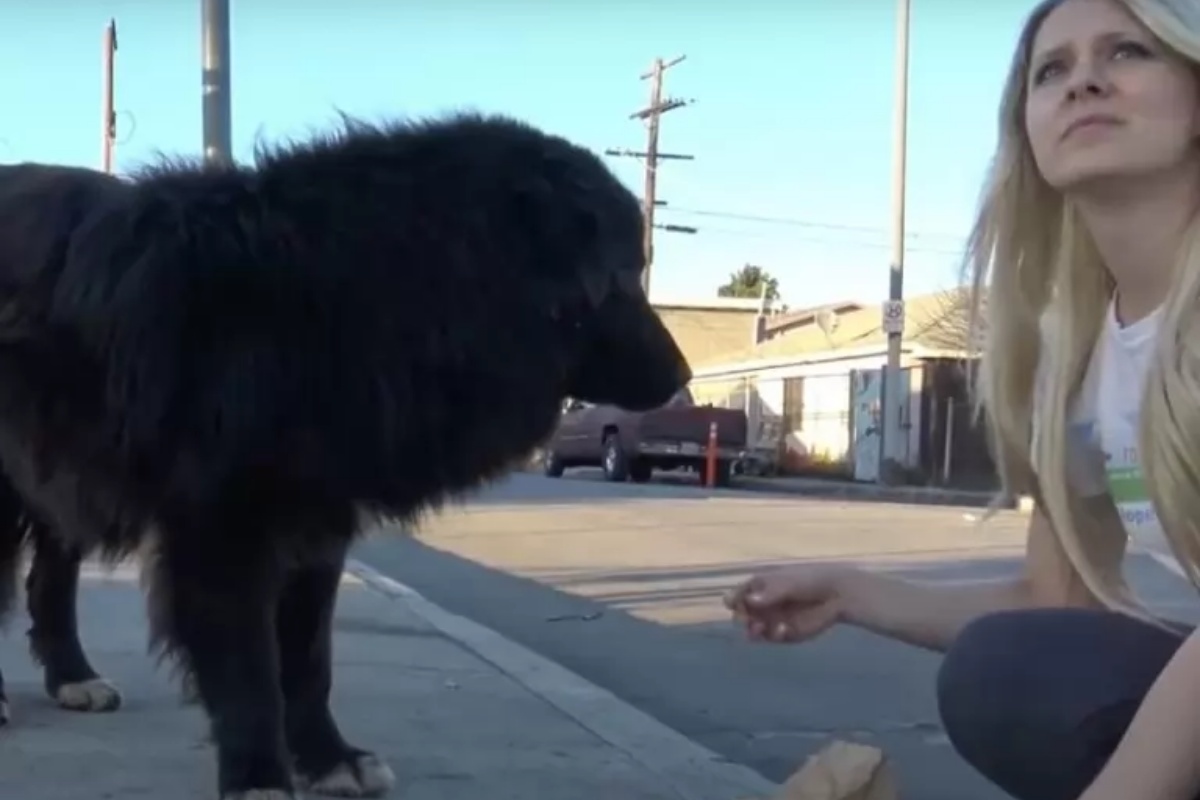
(788, 605)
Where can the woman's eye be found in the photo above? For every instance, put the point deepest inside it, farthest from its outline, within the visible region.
(1126, 49)
(1131, 49)
(1046, 71)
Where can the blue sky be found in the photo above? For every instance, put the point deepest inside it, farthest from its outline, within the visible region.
(791, 128)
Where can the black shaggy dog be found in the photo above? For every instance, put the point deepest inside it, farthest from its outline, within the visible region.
(229, 370)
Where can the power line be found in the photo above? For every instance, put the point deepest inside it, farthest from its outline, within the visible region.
(674, 228)
(832, 241)
(803, 223)
(651, 115)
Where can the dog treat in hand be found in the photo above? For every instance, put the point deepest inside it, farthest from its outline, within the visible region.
(842, 771)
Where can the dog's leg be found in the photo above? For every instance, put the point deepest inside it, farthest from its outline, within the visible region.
(10, 562)
(52, 595)
(213, 607)
(325, 763)
(12, 540)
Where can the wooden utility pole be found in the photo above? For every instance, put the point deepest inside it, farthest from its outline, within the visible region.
(891, 451)
(108, 116)
(651, 115)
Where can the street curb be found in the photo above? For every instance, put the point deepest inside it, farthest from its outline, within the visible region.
(818, 489)
(914, 495)
(692, 771)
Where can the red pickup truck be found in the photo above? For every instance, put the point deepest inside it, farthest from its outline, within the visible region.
(630, 445)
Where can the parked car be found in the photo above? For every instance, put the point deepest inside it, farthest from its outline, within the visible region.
(630, 445)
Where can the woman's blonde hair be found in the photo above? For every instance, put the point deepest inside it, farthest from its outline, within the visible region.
(1034, 266)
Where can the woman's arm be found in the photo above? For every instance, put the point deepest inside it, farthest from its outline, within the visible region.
(1157, 759)
(922, 614)
(931, 616)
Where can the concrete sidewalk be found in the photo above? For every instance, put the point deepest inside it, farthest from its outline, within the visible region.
(457, 711)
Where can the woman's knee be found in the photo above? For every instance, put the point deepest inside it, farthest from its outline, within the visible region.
(976, 677)
(1004, 666)
(1036, 699)
(994, 713)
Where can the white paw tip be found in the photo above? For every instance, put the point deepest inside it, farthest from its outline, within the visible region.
(94, 695)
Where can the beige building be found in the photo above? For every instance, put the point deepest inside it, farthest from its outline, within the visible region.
(809, 382)
(711, 330)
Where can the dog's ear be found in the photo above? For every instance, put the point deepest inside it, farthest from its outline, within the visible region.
(570, 227)
(595, 274)
(628, 281)
(612, 270)
(608, 268)
(597, 284)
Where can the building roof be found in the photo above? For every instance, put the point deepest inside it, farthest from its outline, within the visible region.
(751, 304)
(777, 323)
(706, 328)
(703, 332)
(937, 322)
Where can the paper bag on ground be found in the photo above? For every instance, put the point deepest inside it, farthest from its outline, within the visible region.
(842, 771)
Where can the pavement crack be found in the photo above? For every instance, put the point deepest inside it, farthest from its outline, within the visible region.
(924, 727)
(576, 617)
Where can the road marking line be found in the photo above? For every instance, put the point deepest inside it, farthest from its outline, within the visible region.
(692, 771)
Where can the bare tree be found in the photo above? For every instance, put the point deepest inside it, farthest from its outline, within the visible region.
(951, 325)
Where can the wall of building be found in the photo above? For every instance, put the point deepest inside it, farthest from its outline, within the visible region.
(811, 428)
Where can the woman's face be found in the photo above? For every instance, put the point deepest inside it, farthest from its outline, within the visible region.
(1105, 99)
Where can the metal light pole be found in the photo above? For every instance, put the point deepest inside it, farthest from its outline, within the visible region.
(214, 80)
(893, 310)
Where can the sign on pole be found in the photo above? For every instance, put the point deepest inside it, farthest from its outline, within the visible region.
(893, 316)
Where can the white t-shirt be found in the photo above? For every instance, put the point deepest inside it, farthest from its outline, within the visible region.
(1102, 450)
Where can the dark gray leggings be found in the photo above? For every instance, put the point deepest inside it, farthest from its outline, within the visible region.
(1038, 700)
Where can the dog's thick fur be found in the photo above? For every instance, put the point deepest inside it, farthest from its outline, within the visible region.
(227, 368)
(29, 239)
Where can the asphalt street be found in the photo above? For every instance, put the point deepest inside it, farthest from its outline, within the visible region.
(622, 585)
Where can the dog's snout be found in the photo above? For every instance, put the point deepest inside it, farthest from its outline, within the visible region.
(683, 372)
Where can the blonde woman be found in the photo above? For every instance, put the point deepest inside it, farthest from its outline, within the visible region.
(1059, 685)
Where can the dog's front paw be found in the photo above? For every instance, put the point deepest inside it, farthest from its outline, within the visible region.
(361, 775)
(189, 691)
(93, 695)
